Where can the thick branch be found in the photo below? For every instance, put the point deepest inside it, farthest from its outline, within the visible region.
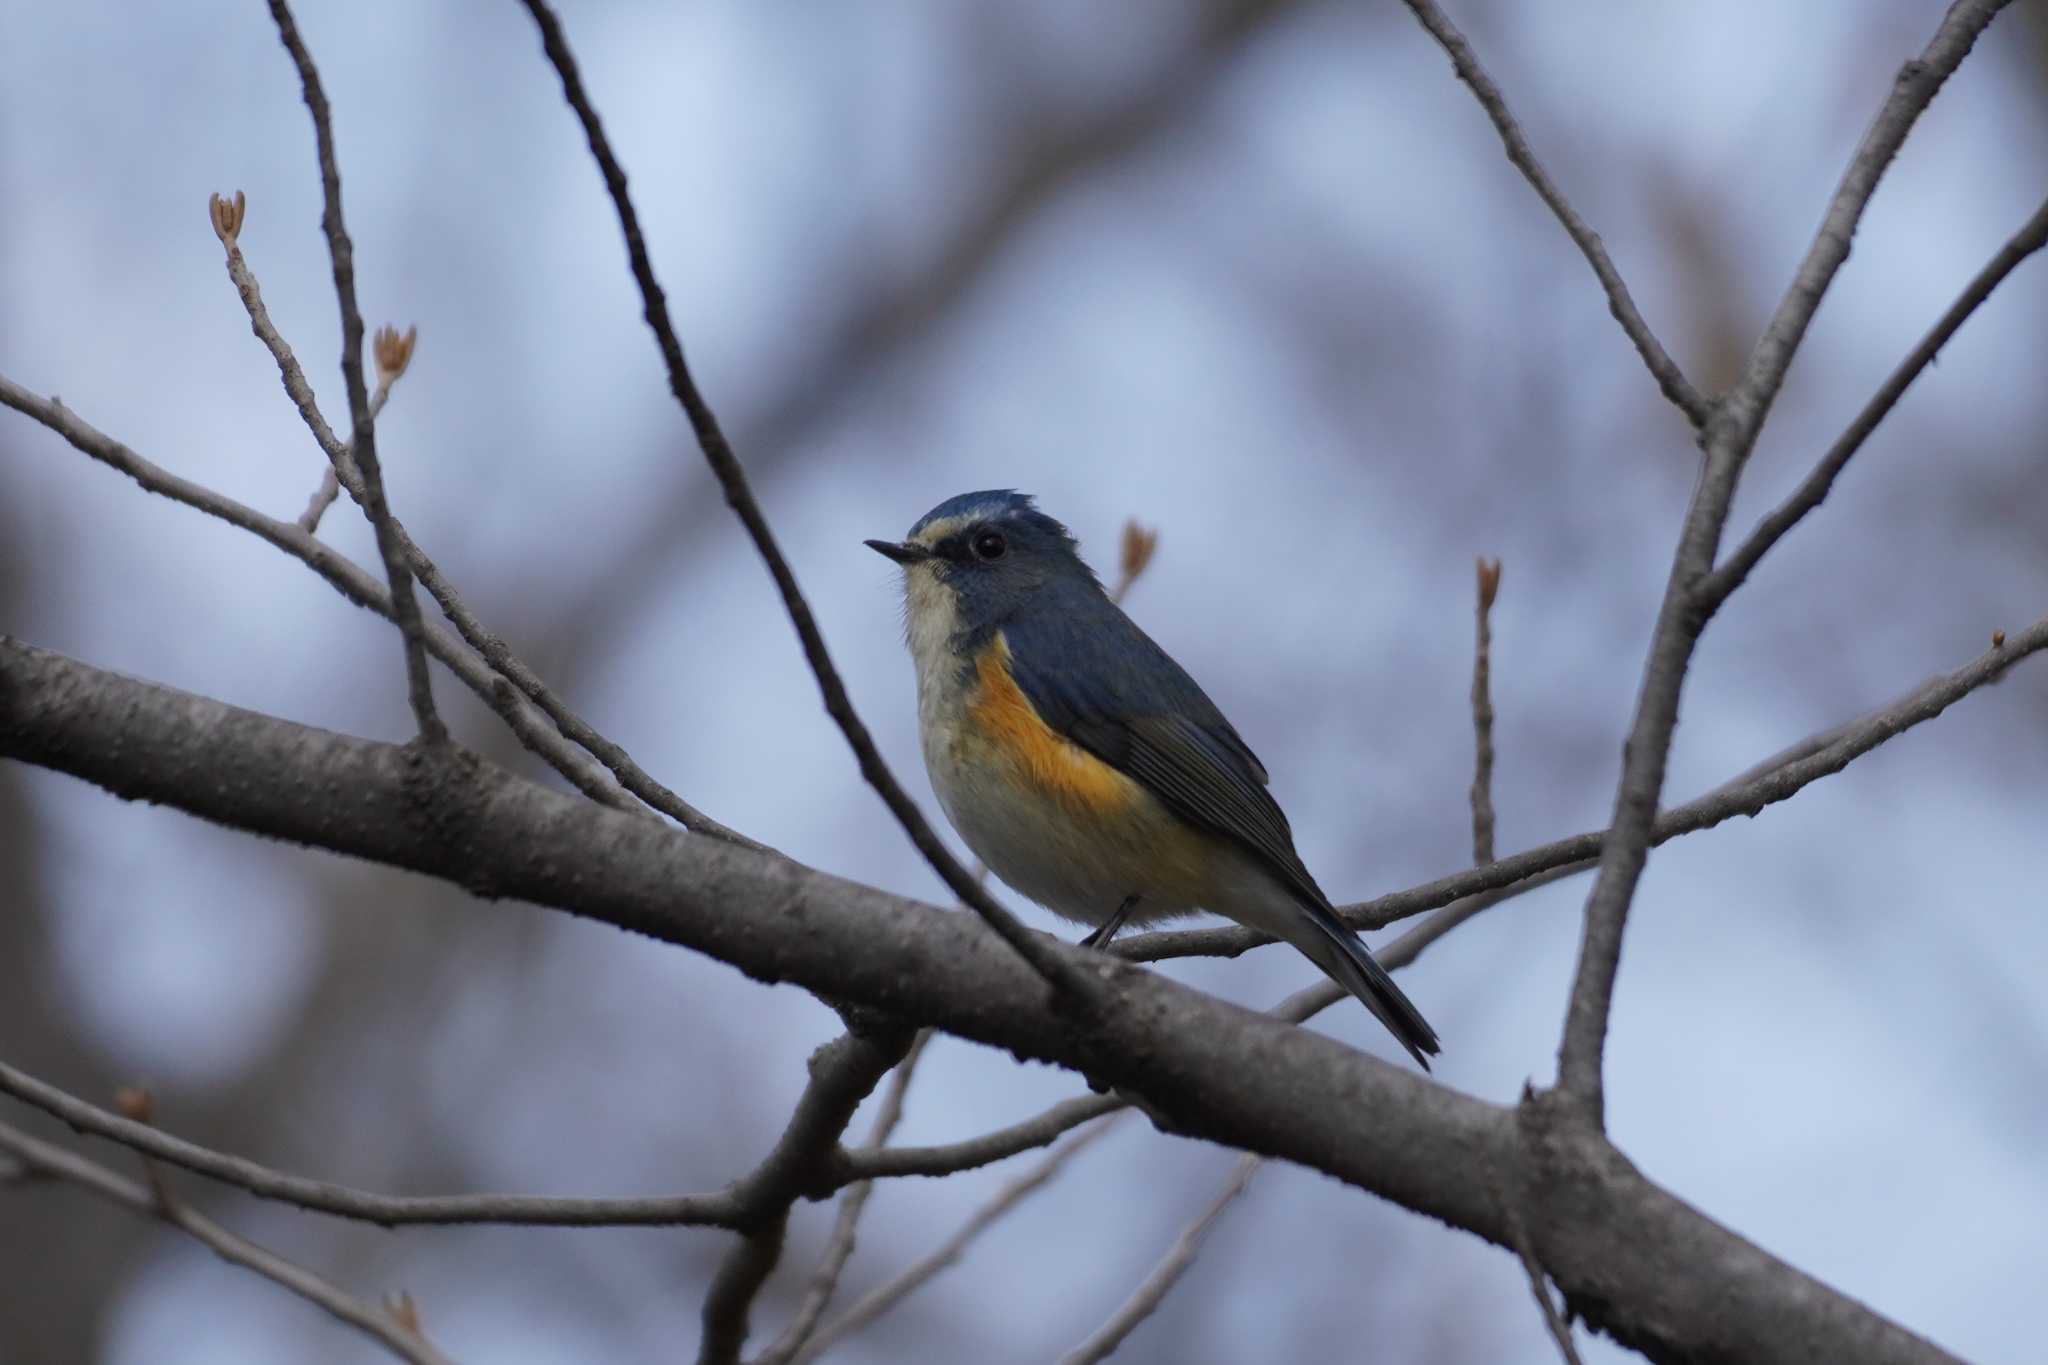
(1651, 1271)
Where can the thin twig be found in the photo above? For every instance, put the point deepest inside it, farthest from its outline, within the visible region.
(1102, 1343)
(843, 1074)
(949, 1158)
(718, 1209)
(1778, 779)
(887, 1296)
(1048, 958)
(353, 583)
(53, 1162)
(1813, 490)
(342, 466)
(1662, 367)
(1488, 576)
(362, 435)
(853, 1203)
(1686, 609)
(346, 577)
(393, 354)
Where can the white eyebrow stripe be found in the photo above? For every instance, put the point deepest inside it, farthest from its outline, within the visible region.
(937, 531)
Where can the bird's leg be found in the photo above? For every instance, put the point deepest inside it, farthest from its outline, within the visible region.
(1099, 937)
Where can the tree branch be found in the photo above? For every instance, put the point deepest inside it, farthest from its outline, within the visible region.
(852, 1204)
(359, 587)
(1776, 779)
(843, 1073)
(1670, 379)
(1482, 712)
(1056, 968)
(1103, 1341)
(1199, 1066)
(920, 1273)
(342, 574)
(722, 1209)
(1685, 611)
(52, 1162)
(1814, 489)
(362, 441)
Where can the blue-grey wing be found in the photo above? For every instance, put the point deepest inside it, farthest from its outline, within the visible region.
(1096, 678)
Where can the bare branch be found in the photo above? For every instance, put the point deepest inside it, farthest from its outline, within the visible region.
(362, 442)
(887, 1296)
(1200, 1067)
(360, 588)
(878, 1162)
(393, 353)
(1670, 379)
(1777, 779)
(852, 1204)
(1102, 1343)
(1539, 1285)
(1686, 609)
(843, 1073)
(1813, 490)
(344, 575)
(721, 1209)
(1774, 781)
(1062, 971)
(53, 1162)
(1482, 713)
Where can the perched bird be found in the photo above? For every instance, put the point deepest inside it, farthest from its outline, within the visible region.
(1084, 765)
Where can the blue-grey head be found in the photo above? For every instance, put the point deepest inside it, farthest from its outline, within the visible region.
(973, 560)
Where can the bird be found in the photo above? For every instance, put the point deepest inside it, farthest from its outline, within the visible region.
(1084, 766)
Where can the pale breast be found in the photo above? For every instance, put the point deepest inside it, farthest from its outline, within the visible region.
(1047, 817)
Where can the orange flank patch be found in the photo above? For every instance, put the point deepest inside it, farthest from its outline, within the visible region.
(1054, 765)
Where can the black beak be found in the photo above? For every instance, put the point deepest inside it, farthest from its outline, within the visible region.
(905, 553)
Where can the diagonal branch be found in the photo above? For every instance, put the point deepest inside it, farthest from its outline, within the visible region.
(852, 1204)
(722, 1209)
(1670, 379)
(43, 1159)
(359, 587)
(843, 1073)
(1637, 1262)
(341, 573)
(1814, 489)
(362, 443)
(920, 1273)
(1685, 611)
(1145, 1300)
(1036, 949)
(1778, 778)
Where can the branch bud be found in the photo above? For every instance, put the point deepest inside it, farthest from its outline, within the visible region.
(227, 218)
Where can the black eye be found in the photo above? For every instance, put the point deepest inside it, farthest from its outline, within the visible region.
(990, 545)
